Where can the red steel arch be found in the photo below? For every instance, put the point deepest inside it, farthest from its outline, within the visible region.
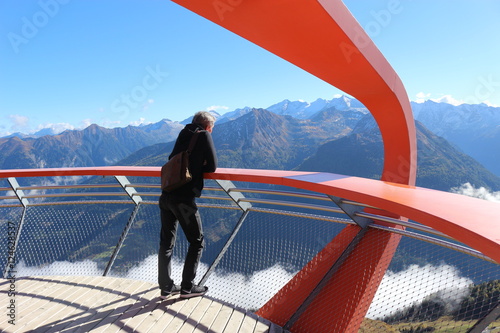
(323, 38)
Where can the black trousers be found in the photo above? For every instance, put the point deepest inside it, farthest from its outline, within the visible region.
(175, 212)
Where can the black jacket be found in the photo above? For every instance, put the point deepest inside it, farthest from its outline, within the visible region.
(203, 158)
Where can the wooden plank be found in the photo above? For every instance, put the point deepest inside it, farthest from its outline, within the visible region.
(182, 315)
(105, 322)
(120, 296)
(61, 307)
(262, 326)
(108, 304)
(88, 303)
(196, 316)
(58, 302)
(64, 305)
(79, 305)
(170, 308)
(127, 320)
(41, 301)
(222, 318)
(234, 322)
(208, 318)
(248, 324)
(22, 297)
(153, 317)
(145, 312)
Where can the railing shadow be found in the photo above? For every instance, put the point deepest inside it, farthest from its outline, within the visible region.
(102, 315)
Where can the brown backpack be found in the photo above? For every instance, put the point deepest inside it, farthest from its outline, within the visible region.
(175, 172)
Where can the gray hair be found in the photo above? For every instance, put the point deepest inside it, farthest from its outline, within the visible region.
(204, 119)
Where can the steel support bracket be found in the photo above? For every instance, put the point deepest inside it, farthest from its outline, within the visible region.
(132, 193)
(227, 185)
(19, 193)
(127, 187)
(351, 211)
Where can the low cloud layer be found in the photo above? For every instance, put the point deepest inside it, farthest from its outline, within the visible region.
(250, 292)
(401, 290)
(480, 193)
(397, 290)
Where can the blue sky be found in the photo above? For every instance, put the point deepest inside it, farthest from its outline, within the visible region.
(70, 63)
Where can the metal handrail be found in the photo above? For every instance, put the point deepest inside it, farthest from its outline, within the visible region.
(63, 187)
(435, 241)
(67, 195)
(363, 189)
(80, 202)
(407, 224)
(284, 193)
(320, 197)
(293, 204)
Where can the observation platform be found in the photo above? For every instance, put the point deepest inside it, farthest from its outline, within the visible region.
(110, 304)
(286, 251)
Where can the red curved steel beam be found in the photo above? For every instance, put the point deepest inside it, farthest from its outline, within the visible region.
(324, 39)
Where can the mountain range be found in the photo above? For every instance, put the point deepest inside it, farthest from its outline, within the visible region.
(92, 146)
(337, 135)
(264, 140)
(474, 128)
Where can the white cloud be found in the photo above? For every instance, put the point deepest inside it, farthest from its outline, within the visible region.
(19, 122)
(56, 128)
(401, 290)
(141, 121)
(147, 104)
(480, 193)
(216, 107)
(490, 104)
(86, 267)
(86, 123)
(422, 97)
(396, 292)
(110, 123)
(4, 133)
(447, 99)
(250, 292)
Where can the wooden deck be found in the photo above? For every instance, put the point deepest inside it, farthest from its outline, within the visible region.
(108, 304)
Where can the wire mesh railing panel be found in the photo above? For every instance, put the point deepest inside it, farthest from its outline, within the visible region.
(268, 250)
(70, 228)
(428, 288)
(138, 257)
(69, 240)
(9, 226)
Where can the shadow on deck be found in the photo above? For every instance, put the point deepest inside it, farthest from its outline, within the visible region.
(109, 304)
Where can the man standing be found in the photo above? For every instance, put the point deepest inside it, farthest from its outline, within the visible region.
(179, 207)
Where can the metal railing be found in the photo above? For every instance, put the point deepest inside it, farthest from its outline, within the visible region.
(259, 236)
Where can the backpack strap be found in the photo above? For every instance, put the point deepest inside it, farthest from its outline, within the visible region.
(193, 141)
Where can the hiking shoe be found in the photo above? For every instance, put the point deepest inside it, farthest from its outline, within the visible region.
(195, 291)
(176, 289)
